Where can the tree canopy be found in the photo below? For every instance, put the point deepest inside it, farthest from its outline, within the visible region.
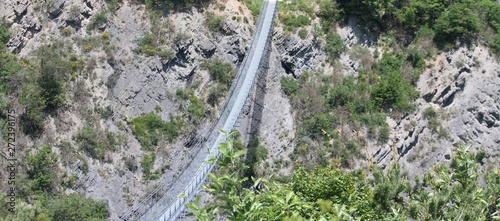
(327, 193)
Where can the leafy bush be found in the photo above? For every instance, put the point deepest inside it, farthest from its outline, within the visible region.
(53, 69)
(316, 124)
(147, 163)
(429, 113)
(76, 207)
(214, 22)
(41, 170)
(334, 45)
(492, 13)
(196, 109)
(303, 33)
(331, 194)
(96, 143)
(416, 58)
(329, 13)
(8, 68)
(168, 5)
(166, 54)
(149, 129)
(98, 20)
(289, 85)
(216, 93)
(392, 90)
(458, 22)
(43, 90)
(254, 6)
(292, 22)
(495, 44)
(322, 183)
(222, 72)
(383, 134)
(146, 45)
(130, 163)
(4, 33)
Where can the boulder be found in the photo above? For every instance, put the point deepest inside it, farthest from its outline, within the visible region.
(55, 7)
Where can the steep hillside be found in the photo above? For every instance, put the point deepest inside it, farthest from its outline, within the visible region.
(115, 61)
(108, 97)
(455, 101)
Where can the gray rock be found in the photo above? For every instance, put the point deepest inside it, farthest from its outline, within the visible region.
(206, 48)
(55, 7)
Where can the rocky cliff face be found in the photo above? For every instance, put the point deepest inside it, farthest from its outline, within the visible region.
(460, 86)
(127, 82)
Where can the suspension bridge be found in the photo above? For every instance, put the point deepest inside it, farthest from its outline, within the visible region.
(173, 197)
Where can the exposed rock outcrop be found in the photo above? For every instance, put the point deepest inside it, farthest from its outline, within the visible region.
(463, 87)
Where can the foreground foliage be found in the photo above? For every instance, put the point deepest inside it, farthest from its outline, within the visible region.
(327, 193)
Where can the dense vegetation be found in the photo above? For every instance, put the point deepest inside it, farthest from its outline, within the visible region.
(40, 188)
(37, 86)
(222, 73)
(451, 21)
(8, 68)
(324, 103)
(327, 193)
(408, 33)
(150, 129)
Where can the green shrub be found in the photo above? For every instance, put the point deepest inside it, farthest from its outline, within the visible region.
(254, 6)
(41, 169)
(182, 95)
(329, 14)
(159, 5)
(96, 143)
(316, 124)
(416, 58)
(216, 93)
(429, 113)
(146, 45)
(495, 44)
(166, 54)
(492, 13)
(322, 183)
(8, 67)
(214, 22)
(67, 31)
(53, 69)
(130, 164)
(147, 164)
(303, 33)
(334, 45)
(222, 72)
(89, 142)
(196, 109)
(289, 85)
(149, 129)
(4, 33)
(292, 22)
(458, 22)
(383, 133)
(76, 207)
(99, 19)
(392, 90)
